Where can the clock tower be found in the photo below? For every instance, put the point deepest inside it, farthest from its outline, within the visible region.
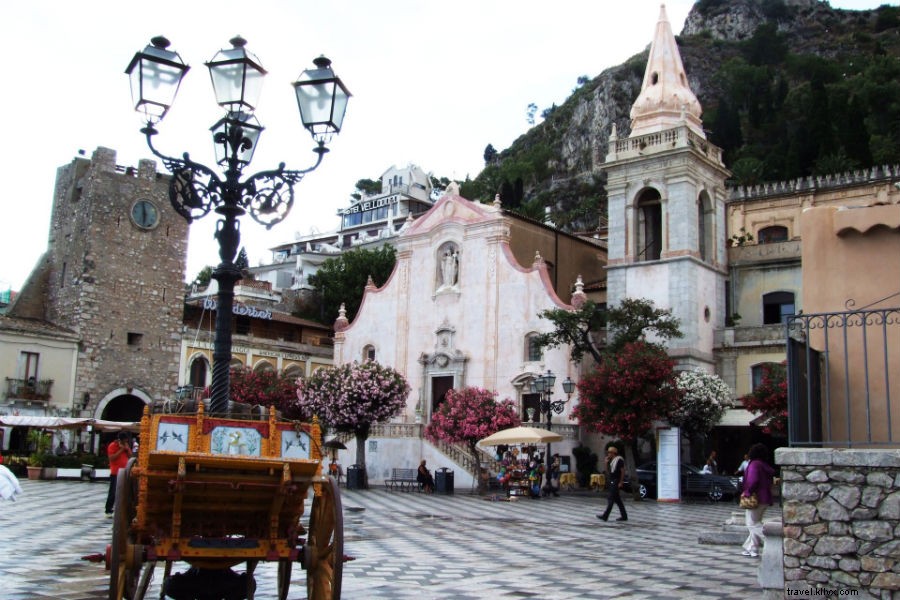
(666, 189)
(115, 268)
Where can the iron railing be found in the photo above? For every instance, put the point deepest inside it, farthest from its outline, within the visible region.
(843, 378)
(28, 389)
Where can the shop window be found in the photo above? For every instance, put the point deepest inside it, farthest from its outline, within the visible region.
(649, 227)
(772, 235)
(777, 306)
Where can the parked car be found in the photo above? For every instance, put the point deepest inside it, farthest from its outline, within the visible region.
(693, 483)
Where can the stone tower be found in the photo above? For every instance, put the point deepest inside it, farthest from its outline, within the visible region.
(666, 186)
(115, 267)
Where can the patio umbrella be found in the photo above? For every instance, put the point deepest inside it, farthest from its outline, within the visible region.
(520, 435)
(334, 445)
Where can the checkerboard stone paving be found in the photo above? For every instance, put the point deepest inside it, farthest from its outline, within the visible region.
(419, 546)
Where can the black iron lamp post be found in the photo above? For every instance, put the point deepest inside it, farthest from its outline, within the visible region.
(543, 385)
(194, 189)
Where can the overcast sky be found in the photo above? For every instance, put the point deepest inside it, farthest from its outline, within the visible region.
(433, 83)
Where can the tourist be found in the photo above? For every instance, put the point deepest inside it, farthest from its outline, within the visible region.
(118, 451)
(424, 478)
(615, 479)
(758, 484)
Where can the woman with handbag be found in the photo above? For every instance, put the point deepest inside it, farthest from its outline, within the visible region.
(756, 496)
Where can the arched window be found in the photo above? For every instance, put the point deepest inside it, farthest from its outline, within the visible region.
(777, 306)
(368, 352)
(648, 226)
(772, 234)
(263, 367)
(199, 368)
(533, 352)
(294, 372)
(236, 363)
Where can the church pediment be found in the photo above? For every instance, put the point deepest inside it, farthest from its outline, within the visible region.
(452, 208)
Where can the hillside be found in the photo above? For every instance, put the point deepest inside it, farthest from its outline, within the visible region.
(788, 88)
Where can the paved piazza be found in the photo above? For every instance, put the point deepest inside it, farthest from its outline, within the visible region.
(410, 545)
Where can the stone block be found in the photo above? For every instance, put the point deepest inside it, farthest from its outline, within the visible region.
(838, 528)
(886, 581)
(881, 479)
(873, 531)
(866, 458)
(817, 476)
(872, 496)
(835, 545)
(795, 548)
(791, 475)
(890, 507)
(863, 514)
(830, 509)
(847, 495)
(890, 549)
(795, 513)
(800, 491)
(876, 564)
(803, 456)
(818, 576)
(791, 562)
(846, 476)
(850, 565)
(843, 579)
(822, 562)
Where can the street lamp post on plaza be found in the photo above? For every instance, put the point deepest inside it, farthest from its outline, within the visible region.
(194, 189)
(543, 385)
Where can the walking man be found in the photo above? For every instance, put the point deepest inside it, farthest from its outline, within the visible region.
(615, 479)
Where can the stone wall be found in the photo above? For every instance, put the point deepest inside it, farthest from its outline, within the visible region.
(841, 518)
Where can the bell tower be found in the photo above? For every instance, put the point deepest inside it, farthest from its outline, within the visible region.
(666, 189)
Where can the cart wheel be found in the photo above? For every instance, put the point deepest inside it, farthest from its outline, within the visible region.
(284, 578)
(125, 559)
(324, 551)
(146, 578)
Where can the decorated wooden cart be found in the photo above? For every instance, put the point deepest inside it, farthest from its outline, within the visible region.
(215, 492)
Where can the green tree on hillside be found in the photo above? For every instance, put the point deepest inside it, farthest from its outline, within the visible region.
(343, 279)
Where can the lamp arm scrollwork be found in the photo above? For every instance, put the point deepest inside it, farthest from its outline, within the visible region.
(194, 189)
(269, 195)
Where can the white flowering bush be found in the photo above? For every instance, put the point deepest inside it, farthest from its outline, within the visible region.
(704, 398)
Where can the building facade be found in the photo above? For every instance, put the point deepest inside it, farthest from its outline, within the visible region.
(460, 309)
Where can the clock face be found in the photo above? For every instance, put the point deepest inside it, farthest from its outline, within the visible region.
(145, 214)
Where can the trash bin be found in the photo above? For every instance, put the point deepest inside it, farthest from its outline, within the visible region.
(356, 477)
(443, 481)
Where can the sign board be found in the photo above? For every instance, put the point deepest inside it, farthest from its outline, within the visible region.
(668, 464)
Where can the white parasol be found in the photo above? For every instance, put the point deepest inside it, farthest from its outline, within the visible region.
(520, 435)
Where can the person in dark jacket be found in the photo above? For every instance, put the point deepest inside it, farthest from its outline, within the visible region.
(757, 480)
(615, 479)
(424, 478)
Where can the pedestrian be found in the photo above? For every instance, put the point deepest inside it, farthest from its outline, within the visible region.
(615, 479)
(118, 451)
(61, 449)
(758, 485)
(424, 478)
(713, 463)
(552, 486)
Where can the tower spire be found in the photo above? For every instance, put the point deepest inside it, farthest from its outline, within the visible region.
(666, 99)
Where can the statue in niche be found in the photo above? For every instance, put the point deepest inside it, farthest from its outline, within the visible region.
(449, 268)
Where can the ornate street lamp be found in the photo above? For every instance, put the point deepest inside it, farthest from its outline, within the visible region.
(543, 385)
(194, 189)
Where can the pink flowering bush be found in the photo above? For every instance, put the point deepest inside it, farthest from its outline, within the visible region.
(468, 415)
(350, 398)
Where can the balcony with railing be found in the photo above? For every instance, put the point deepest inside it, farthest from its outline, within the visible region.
(28, 389)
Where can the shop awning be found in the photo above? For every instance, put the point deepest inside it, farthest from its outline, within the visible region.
(67, 423)
(736, 417)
